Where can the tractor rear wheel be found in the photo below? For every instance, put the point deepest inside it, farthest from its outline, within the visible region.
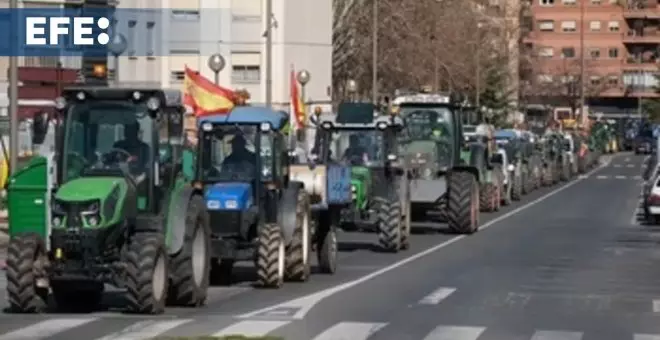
(463, 203)
(271, 256)
(146, 269)
(517, 189)
(489, 197)
(297, 254)
(389, 223)
(190, 267)
(26, 257)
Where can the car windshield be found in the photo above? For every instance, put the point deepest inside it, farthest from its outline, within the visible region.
(229, 153)
(107, 135)
(357, 147)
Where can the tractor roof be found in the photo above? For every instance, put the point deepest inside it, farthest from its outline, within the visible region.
(334, 121)
(248, 115)
(355, 113)
(168, 97)
(423, 98)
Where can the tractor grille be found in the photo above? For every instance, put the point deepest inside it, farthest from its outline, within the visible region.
(225, 222)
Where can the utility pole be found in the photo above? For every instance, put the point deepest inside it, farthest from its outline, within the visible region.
(583, 66)
(269, 53)
(13, 95)
(374, 53)
(477, 85)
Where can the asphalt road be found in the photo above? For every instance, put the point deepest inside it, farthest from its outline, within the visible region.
(568, 263)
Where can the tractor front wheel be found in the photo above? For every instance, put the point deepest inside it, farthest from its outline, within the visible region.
(190, 267)
(26, 258)
(489, 197)
(326, 248)
(389, 223)
(463, 203)
(271, 256)
(297, 254)
(146, 269)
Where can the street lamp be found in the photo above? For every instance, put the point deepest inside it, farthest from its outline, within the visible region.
(216, 63)
(303, 77)
(352, 87)
(117, 47)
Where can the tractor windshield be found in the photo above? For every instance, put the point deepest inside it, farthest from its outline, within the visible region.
(229, 153)
(102, 136)
(428, 134)
(357, 147)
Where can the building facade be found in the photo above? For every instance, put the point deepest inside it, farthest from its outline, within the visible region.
(193, 30)
(619, 40)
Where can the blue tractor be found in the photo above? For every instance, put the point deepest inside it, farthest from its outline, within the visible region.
(256, 213)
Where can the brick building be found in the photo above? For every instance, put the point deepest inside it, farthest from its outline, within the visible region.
(621, 40)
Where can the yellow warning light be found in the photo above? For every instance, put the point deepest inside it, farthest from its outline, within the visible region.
(395, 110)
(58, 253)
(99, 70)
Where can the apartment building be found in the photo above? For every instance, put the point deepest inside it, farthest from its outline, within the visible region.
(192, 30)
(621, 46)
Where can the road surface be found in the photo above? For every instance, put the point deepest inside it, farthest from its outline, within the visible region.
(568, 263)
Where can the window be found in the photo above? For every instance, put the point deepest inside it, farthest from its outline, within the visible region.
(613, 52)
(546, 2)
(151, 39)
(594, 80)
(545, 78)
(568, 52)
(246, 9)
(546, 25)
(594, 53)
(613, 26)
(177, 76)
(569, 2)
(594, 26)
(613, 80)
(568, 26)
(184, 15)
(546, 52)
(246, 67)
(595, 2)
(132, 37)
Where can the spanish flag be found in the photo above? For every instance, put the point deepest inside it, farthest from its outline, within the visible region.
(204, 96)
(297, 111)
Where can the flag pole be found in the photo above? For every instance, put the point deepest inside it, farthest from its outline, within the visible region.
(292, 112)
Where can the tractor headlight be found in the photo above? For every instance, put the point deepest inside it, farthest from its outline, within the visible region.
(428, 173)
(81, 96)
(353, 189)
(56, 222)
(265, 172)
(265, 127)
(213, 205)
(93, 220)
(511, 167)
(137, 95)
(91, 209)
(153, 104)
(231, 204)
(382, 125)
(58, 208)
(207, 127)
(60, 103)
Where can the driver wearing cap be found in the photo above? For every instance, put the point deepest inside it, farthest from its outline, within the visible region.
(239, 153)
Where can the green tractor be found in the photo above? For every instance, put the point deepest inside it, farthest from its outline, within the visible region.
(367, 146)
(107, 209)
(446, 171)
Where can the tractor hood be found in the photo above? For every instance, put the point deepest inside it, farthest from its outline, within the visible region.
(88, 188)
(229, 196)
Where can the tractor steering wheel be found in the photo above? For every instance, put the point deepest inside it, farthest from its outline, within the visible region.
(117, 155)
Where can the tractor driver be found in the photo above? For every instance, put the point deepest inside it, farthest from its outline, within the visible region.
(138, 150)
(239, 153)
(355, 153)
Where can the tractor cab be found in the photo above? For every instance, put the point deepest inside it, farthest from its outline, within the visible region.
(433, 136)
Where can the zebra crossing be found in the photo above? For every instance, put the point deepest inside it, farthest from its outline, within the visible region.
(344, 330)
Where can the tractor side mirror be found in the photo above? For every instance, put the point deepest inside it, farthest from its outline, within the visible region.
(39, 127)
(497, 158)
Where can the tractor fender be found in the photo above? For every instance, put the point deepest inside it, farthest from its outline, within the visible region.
(176, 217)
(287, 209)
(469, 169)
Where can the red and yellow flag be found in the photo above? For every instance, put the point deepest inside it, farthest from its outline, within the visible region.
(297, 111)
(204, 96)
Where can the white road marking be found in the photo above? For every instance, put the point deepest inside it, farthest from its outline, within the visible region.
(631, 165)
(145, 330)
(621, 177)
(627, 159)
(305, 303)
(436, 296)
(602, 177)
(455, 333)
(557, 335)
(45, 329)
(617, 165)
(583, 176)
(350, 331)
(252, 328)
(646, 337)
(656, 306)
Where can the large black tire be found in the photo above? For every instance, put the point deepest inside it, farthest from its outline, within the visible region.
(463, 203)
(297, 253)
(517, 187)
(489, 197)
(326, 248)
(25, 255)
(77, 297)
(271, 256)
(190, 268)
(389, 223)
(564, 174)
(526, 183)
(547, 177)
(146, 273)
(406, 227)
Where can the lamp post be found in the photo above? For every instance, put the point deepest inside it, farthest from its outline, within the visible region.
(216, 63)
(352, 87)
(117, 47)
(478, 80)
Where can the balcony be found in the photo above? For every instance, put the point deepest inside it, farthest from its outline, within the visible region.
(641, 9)
(641, 37)
(634, 64)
